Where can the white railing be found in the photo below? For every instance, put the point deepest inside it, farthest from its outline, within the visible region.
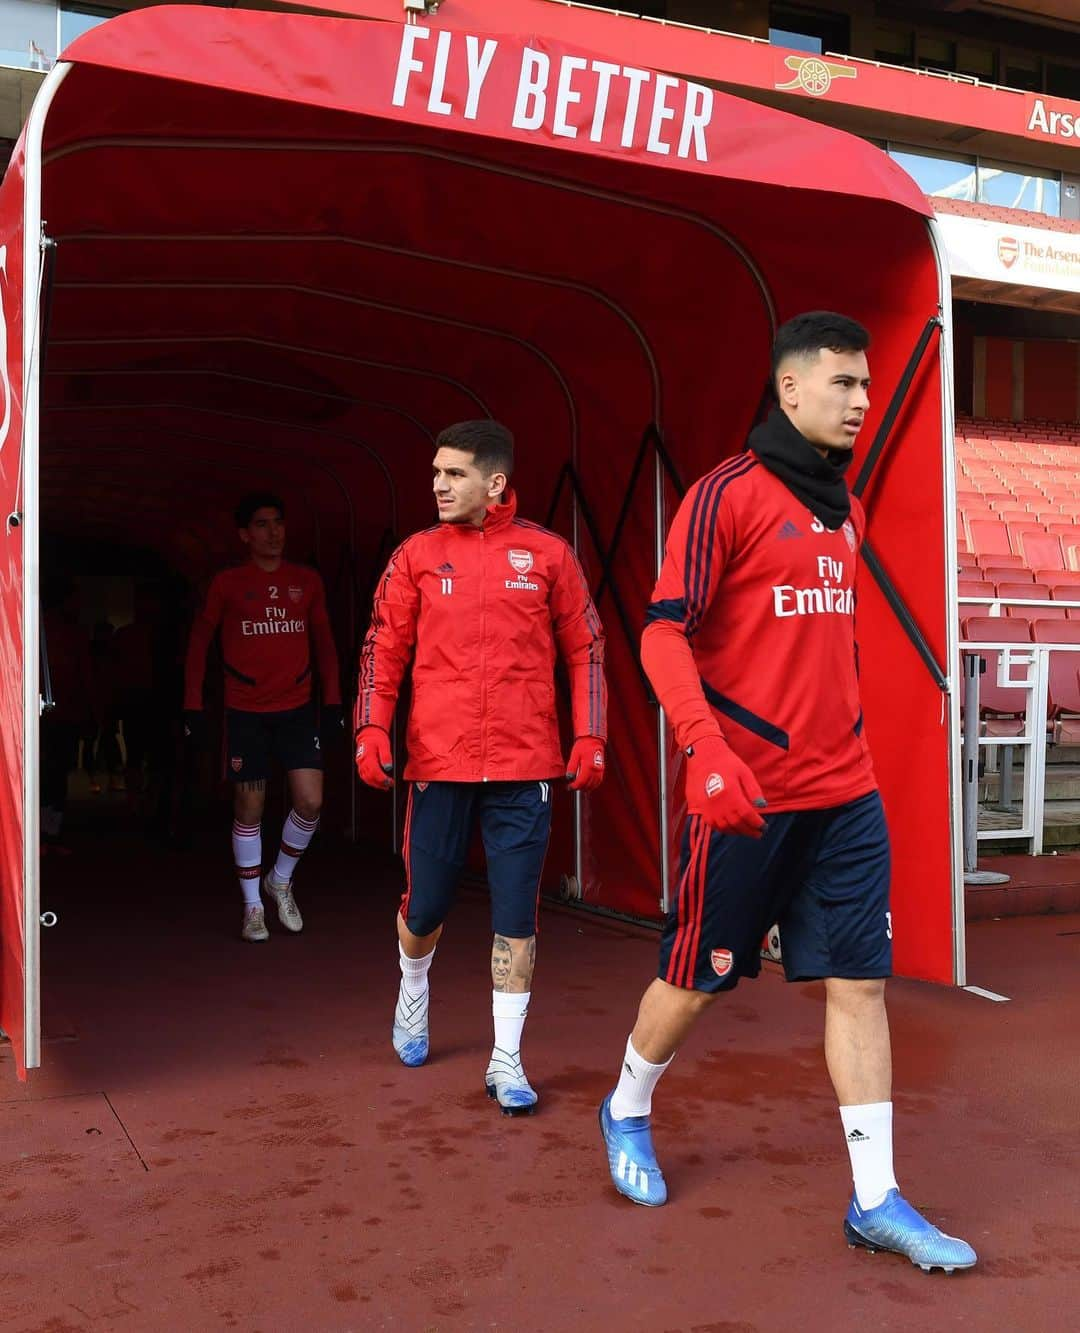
(1024, 668)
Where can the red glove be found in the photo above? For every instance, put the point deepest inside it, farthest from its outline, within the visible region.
(585, 769)
(374, 762)
(721, 789)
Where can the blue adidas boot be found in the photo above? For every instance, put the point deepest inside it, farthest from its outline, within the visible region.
(634, 1169)
(895, 1226)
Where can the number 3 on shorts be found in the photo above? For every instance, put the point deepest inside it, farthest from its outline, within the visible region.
(888, 925)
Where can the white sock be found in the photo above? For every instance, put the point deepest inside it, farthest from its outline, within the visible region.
(868, 1130)
(412, 1004)
(295, 837)
(247, 857)
(509, 1013)
(637, 1078)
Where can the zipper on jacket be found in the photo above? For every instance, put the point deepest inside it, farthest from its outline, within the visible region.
(483, 656)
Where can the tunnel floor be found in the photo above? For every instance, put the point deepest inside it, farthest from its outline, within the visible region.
(222, 1137)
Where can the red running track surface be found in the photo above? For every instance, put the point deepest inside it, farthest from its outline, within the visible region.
(221, 1136)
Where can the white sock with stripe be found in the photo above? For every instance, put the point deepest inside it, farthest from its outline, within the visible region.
(637, 1079)
(509, 1012)
(412, 1005)
(247, 857)
(296, 835)
(868, 1131)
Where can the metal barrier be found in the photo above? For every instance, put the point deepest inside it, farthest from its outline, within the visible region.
(1024, 668)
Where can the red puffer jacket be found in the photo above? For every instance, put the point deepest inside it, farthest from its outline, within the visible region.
(484, 609)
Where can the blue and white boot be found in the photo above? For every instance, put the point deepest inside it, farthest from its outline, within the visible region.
(634, 1169)
(505, 1081)
(895, 1226)
(411, 1027)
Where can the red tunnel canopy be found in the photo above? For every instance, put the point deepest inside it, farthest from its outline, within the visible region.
(288, 250)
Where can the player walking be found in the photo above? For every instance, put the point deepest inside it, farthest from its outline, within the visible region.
(270, 613)
(481, 603)
(750, 647)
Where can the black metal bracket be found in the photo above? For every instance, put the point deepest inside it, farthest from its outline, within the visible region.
(651, 439)
(892, 596)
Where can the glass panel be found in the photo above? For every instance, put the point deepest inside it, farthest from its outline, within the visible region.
(28, 34)
(895, 46)
(798, 41)
(946, 177)
(809, 29)
(935, 53)
(978, 61)
(1063, 81)
(74, 22)
(1020, 187)
(1022, 71)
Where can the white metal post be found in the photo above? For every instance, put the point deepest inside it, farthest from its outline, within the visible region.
(951, 709)
(33, 259)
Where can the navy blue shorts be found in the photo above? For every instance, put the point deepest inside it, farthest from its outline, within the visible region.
(822, 875)
(254, 740)
(515, 825)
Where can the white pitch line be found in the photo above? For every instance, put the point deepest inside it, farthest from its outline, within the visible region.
(988, 994)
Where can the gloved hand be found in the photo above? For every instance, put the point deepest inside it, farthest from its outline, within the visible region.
(331, 722)
(374, 762)
(721, 788)
(585, 767)
(195, 727)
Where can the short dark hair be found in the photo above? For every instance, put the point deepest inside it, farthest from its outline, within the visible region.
(250, 505)
(808, 334)
(489, 442)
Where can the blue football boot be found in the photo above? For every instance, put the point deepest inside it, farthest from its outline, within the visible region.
(634, 1169)
(506, 1083)
(894, 1225)
(411, 1027)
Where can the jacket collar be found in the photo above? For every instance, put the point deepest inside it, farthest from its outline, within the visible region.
(501, 515)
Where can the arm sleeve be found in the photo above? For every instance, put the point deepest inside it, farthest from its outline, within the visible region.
(580, 637)
(388, 644)
(699, 546)
(203, 628)
(325, 651)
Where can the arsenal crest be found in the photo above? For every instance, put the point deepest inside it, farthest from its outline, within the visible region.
(295, 594)
(1008, 248)
(237, 763)
(723, 960)
(520, 561)
(849, 533)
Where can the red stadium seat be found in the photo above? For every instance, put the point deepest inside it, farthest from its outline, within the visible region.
(1006, 574)
(1041, 551)
(988, 537)
(1002, 708)
(1038, 592)
(1003, 560)
(1064, 683)
(975, 588)
(1063, 528)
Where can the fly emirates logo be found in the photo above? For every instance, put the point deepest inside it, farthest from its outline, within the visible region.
(827, 599)
(277, 621)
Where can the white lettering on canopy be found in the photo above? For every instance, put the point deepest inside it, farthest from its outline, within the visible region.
(479, 64)
(562, 95)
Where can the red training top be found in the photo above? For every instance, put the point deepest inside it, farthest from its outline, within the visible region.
(267, 620)
(485, 610)
(751, 631)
